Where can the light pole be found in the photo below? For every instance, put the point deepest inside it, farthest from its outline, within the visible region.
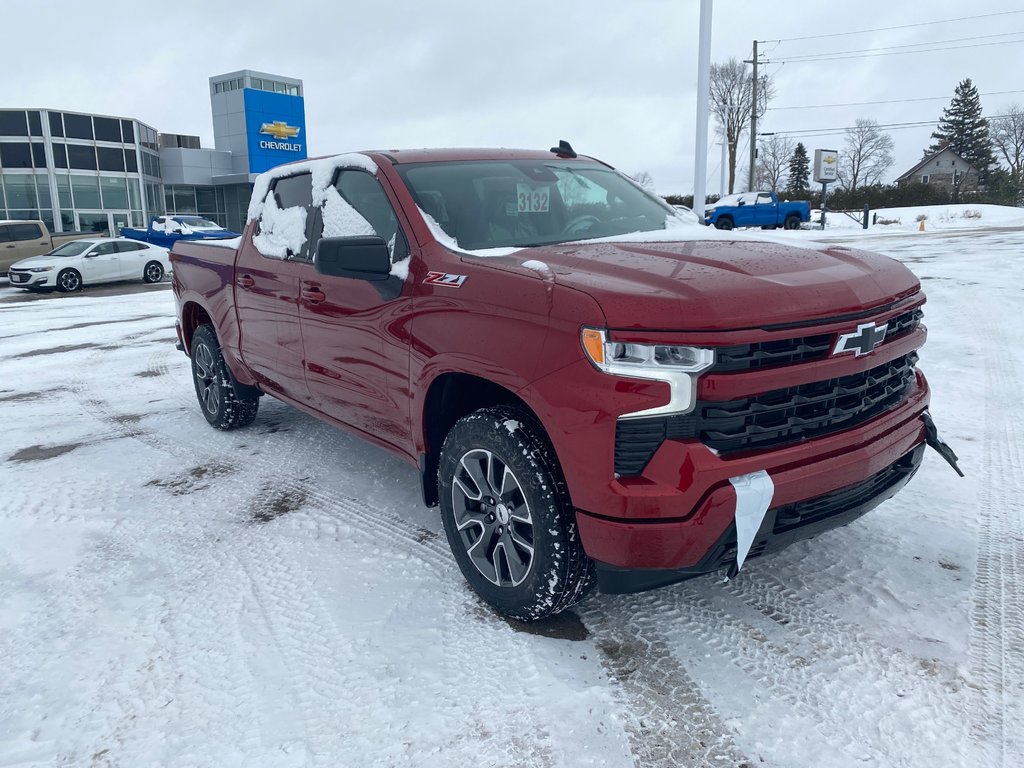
(700, 154)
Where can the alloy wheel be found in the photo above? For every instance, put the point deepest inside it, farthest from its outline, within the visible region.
(493, 518)
(206, 378)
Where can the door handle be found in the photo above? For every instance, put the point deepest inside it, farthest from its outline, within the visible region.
(313, 295)
(245, 281)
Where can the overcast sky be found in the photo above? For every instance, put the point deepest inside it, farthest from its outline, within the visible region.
(617, 79)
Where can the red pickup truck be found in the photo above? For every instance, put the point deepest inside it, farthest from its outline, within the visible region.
(593, 390)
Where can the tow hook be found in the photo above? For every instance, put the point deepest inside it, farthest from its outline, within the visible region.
(931, 437)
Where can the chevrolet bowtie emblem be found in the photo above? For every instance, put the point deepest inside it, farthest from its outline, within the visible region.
(862, 341)
(280, 130)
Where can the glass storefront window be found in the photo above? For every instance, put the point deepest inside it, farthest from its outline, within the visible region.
(56, 124)
(81, 157)
(43, 190)
(16, 154)
(107, 129)
(13, 123)
(206, 200)
(67, 221)
(77, 126)
(184, 200)
(64, 190)
(87, 191)
(20, 190)
(115, 192)
(93, 222)
(133, 193)
(110, 158)
(154, 199)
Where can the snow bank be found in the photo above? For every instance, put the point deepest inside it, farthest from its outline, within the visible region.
(959, 216)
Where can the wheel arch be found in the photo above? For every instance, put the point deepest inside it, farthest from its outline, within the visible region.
(193, 315)
(449, 397)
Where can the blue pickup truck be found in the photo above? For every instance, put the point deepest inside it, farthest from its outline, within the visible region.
(165, 231)
(756, 209)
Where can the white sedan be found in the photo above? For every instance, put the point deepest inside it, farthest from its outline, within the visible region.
(91, 261)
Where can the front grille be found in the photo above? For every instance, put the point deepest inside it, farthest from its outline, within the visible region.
(767, 354)
(18, 277)
(772, 419)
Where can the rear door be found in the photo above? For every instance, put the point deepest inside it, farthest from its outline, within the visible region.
(355, 332)
(267, 291)
(28, 239)
(132, 258)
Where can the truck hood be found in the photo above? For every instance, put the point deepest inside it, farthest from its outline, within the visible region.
(719, 284)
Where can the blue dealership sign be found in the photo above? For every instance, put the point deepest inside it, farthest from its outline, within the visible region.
(275, 125)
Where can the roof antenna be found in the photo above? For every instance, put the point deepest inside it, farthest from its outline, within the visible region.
(564, 149)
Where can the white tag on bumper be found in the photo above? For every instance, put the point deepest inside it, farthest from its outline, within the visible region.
(753, 497)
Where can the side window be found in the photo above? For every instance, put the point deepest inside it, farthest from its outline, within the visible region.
(364, 193)
(122, 247)
(279, 232)
(103, 249)
(25, 232)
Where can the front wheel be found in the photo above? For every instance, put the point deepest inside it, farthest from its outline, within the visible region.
(508, 518)
(723, 224)
(222, 406)
(153, 273)
(69, 281)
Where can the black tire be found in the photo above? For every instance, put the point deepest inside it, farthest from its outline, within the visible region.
(528, 507)
(792, 222)
(724, 223)
(222, 406)
(153, 272)
(69, 281)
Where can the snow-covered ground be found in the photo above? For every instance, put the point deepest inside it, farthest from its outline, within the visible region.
(278, 596)
(941, 217)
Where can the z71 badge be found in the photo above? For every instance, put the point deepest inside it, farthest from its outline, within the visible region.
(443, 278)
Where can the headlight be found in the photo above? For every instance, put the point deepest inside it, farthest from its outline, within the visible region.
(677, 366)
(40, 269)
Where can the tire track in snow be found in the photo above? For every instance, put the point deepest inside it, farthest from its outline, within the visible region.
(997, 617)
(285, 620)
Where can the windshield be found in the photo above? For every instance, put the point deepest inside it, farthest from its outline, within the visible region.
(494, 204)
(196, 222)
(74, 248)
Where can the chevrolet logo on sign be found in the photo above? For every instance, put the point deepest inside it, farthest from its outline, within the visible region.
(280, 130)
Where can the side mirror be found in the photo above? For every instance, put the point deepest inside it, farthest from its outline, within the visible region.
(359, 258)
(742, 202)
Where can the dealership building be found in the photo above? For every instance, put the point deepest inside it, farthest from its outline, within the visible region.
(97, 173)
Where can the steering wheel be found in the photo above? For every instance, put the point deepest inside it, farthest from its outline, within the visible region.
(580, 224)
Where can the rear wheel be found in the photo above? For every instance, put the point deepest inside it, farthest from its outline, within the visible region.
(792, 222)
(69, 280)
(222, 406)
(724, 223)
(508, 517)
(153, 273)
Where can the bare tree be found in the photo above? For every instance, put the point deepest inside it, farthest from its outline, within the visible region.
(731, 104)
(1008, 137)
(866, 157)
(773, 155)
(645, 180)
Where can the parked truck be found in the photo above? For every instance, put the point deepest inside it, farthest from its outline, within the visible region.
(591, 388)
(165, 231)
(24, 239)
(756, 209)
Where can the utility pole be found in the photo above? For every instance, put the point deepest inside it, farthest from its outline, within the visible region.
(700, 149)
(753, 121)
(721, 173)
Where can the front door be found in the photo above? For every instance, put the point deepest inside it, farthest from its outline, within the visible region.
(94, 223)
(118, 220)
(354, 331)
(102, 264)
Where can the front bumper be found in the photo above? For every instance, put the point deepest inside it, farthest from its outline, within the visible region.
(678, 513)
(26, 279)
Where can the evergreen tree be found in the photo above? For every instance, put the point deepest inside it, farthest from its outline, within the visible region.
(964, 130)
(799, 172)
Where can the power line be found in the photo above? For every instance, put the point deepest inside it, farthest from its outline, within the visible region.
(888, 126)
(892, 53)
(890, 101)
(886, 29)
(897, 47)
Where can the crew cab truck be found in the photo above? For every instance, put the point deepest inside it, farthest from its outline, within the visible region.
(591, 389)
(756, 209)
(23, 239)
(165, 231)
